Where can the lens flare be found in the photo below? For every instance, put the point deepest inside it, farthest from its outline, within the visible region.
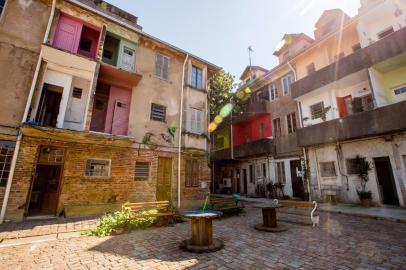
(218, 119)
(248, 90)
(212, 127)
(226, 110)
(240, 94)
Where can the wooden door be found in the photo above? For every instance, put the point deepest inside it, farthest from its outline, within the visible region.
(75, 111)
(120, 117)
(386, 181)
(127, 56)
(67, 35)
(163, 187)
(344, 105)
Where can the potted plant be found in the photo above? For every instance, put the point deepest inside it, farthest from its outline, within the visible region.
(363, 167)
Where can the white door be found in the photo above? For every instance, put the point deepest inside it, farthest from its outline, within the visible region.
(128, 59)
(75, 111)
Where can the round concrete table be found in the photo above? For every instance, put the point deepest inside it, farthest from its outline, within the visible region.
(269, 223)
(202, 232)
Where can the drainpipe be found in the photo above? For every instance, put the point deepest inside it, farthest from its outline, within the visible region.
(27, 108)
(180, 126)
(293, 70)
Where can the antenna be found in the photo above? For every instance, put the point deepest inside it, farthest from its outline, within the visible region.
(250, 50)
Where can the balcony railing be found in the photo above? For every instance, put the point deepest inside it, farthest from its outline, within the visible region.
(380, 121)
(252, 109)
(379, 51)
(256, 148)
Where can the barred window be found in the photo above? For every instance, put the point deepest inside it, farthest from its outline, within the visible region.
(317, 110)
(98, 167)
(274, 91)
(6, 154)
(141, 170)
(280, 172)
(353, 165)
(192, 173)
(158, 112)
(327, 169)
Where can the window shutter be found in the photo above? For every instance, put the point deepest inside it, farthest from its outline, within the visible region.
(158, 65)
(165, 68)
(142, 170)
(188, 173)
(198, 121)
(195, 173)
(192, 120)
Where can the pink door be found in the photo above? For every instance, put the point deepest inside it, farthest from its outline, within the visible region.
(118, 112)
(67, 34)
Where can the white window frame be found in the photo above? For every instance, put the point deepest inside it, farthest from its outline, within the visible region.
(286, 92)
(273, 90)
(98, 176)
(289, 120)
(160, 74)
(194, 127)
(4, 8)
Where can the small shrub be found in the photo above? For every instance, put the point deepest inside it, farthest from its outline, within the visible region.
(120, 220)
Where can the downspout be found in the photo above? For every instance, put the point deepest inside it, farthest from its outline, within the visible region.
(27, 108)
(180, 126)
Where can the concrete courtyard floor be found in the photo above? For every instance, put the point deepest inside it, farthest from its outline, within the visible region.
(341, 242)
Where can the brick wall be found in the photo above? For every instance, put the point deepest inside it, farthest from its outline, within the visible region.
(96, 194)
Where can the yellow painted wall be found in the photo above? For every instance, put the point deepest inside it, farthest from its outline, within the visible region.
(392, 79)
(323, 54)
(225, 133)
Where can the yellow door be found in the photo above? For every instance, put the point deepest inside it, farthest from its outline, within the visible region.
(163, 188)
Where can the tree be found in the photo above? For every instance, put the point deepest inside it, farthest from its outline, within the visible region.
(221, 86)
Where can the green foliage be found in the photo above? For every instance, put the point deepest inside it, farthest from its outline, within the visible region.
(120, 220)
(221, 86)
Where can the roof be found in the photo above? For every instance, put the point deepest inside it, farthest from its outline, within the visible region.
(330, 13)
(129, 21)
(252, 68)
(289, 39)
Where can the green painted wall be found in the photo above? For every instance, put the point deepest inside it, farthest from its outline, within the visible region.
(392, 80)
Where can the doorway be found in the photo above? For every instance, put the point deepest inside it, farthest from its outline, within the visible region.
(245, 180)
(48, 108)
(297, 183)
(163, 187)
(386, 181)
(45, 185)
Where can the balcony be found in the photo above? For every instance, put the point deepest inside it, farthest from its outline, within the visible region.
(381, 121)
(252, 109)
(256, 148)
(379, 51)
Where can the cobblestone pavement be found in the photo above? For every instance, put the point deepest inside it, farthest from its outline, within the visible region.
(43, 227)
(341, 242)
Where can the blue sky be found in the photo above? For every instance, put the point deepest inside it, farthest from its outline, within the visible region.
(221, 30)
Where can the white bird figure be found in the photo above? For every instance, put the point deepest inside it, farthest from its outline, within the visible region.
(315, 219)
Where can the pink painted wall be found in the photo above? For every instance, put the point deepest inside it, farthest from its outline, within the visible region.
(249, 131)
(118, 111)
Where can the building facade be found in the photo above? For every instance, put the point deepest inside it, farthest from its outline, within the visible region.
(103, 116)
(352, 100)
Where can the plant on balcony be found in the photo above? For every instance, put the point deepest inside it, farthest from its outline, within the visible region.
(362, 168)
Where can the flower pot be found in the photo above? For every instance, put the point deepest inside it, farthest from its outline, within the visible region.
(366, 202)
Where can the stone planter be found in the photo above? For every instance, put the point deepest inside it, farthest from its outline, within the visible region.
(366, 202)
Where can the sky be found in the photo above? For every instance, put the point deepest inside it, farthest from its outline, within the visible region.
(220, 31)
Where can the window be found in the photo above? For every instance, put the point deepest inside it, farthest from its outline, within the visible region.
(280, 172)
(195, 121)
(162, 66)
(352, 165)
(277, 127)
(262, 130)
(339, 56)
(274, 91)
(399, 90)
(264, 170)
(197, 77)
(286, 83)
(317, 110)
(107, 54)
(327, 169)
(158, 112)
(362, 104)
(219, 142)
(85, 44)
(77, 92)
(385, 32)
(356, 47)
(311, 68)
(97, 167)
(2, 4)
(6, 154)
(192, 173)
(291, 120)
(141, 170)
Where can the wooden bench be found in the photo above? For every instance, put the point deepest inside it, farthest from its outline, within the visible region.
(226, 204)
(138, 210)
